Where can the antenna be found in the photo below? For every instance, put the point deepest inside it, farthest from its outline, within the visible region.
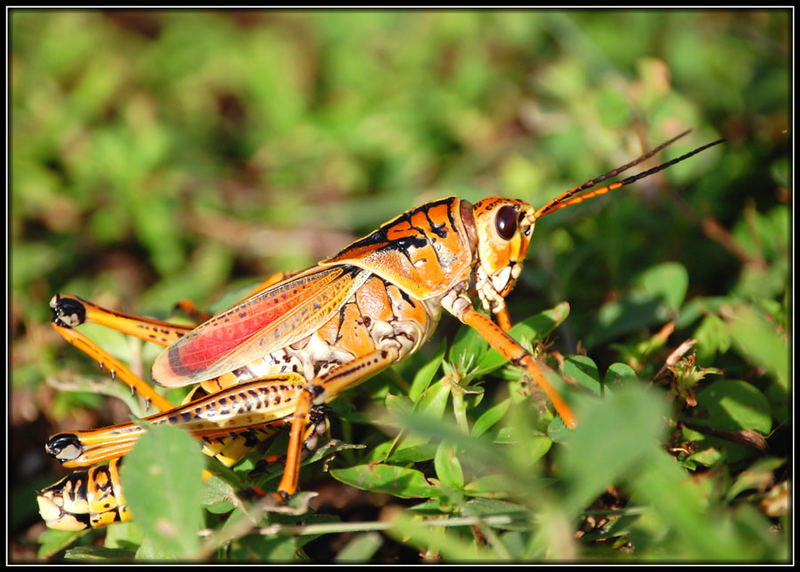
(573, 196)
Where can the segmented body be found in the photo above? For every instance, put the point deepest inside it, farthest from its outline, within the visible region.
(91, 497)
(275, 358)
(355, 310)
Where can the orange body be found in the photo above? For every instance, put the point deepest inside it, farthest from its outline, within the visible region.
(297, 342)
(386, 284)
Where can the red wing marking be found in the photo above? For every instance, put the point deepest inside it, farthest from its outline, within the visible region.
(269, 320)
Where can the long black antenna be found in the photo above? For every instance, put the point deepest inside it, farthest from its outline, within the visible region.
(572, 196)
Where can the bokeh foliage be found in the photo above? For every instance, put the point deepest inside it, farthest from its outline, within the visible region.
(159, 156)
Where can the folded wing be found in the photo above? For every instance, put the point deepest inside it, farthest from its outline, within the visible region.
(278, 316)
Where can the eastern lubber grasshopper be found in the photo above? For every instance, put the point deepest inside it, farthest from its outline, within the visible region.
(297, 341)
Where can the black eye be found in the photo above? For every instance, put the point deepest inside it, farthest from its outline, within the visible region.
(506, 222)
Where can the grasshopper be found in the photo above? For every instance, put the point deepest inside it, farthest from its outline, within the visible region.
(297, 341)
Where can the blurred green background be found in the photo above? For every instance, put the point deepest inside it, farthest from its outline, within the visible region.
(167, 155)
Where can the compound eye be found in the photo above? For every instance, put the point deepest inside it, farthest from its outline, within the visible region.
(506, 222)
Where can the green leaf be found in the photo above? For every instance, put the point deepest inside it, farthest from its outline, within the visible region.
(163, 487)
(539, 325)
(425, 374)
(483, 507)
(619, 374)
(451, 546)
(493, 485)
(614, 436)
(217, 495)
(433, 402)
(123, 535)
(583, 370)
(466, 350)
(675, 508)
(490, 417)
(526, 441)
(415, 454)
(759, 340)
(760, 476)
(398, 403)
(712, 336)
(733, 405)
(632, 312)
(98, 553)
(52, 541)
(397, 481)
(263, 548)
(667, 281)
(360, 548)
(448, 467)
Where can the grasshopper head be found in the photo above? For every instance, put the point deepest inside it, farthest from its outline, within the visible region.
(504, 228)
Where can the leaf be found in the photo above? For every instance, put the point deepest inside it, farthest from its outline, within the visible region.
(618, 374)
(583, 370)
(425, 374)
(99, 553)
(492, 484)
(630, 313)
(712, 336)
(414, 454)
(757, 339)
(734, 404)
(163, 487)
(490, 417)
(667, 281)
(360, 548)
(614, 436)
(397, 481)
(519, 516)
(760, 476)
(466, 350)
(263, 548)
(452, 547)
(675, 507)
(217, 494)
(541, 324)
(52, 541)
(433, 402)
(398, 403)
(448, 467)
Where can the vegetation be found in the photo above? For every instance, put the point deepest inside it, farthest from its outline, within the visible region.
(168, 155)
